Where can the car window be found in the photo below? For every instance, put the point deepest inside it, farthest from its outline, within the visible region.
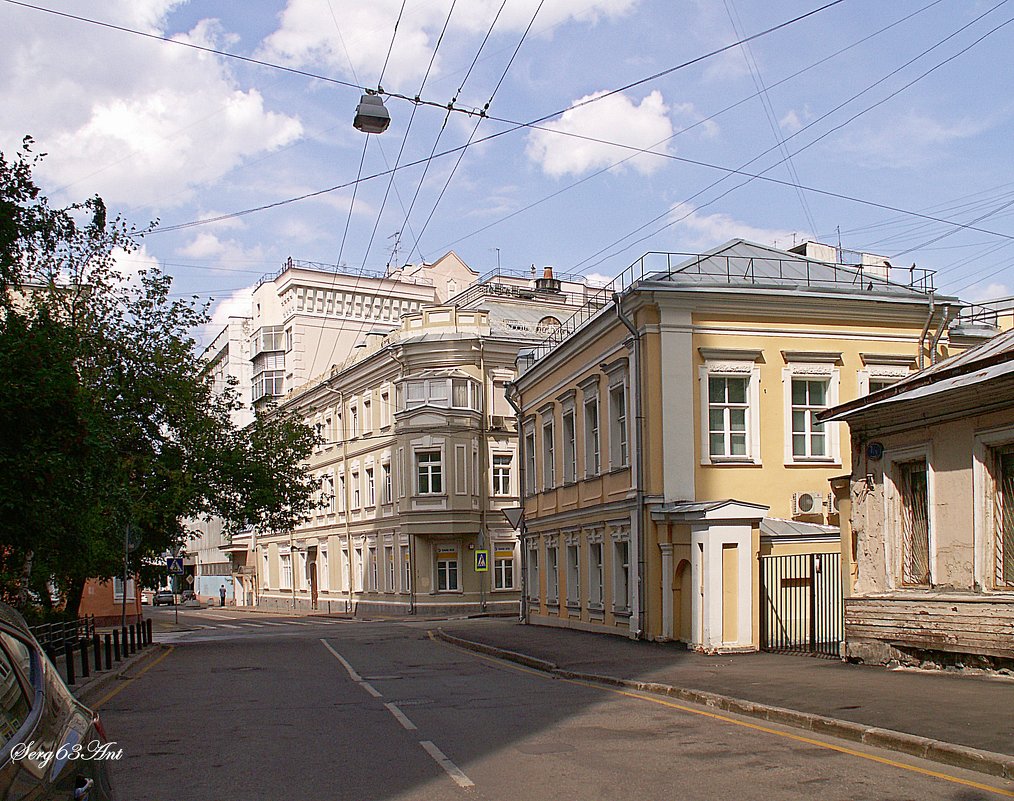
(21, 654)
(14, 706)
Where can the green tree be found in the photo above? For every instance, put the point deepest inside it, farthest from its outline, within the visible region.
(112, 419)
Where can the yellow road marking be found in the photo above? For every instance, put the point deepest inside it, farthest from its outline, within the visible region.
(131, 680)
(745, 724)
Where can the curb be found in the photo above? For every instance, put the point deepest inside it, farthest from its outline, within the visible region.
(958, 756)
(93, 689)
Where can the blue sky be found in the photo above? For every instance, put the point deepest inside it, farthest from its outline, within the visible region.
(168, 132)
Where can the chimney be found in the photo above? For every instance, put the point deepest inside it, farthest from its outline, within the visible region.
(547, 283)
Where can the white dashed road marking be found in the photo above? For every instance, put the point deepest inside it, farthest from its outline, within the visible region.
(400, 717)
(449, 767)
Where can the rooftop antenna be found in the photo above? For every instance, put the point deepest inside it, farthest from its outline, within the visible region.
(396, 236)
(841, 259)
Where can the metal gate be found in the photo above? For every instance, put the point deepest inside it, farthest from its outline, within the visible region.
(801, 603)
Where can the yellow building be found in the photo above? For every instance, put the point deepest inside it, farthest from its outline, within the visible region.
(670, 440)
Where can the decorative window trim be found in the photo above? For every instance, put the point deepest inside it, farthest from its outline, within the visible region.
(880, 372)
(984, 444)
(810, 370)
(724, 362)
(892, 514)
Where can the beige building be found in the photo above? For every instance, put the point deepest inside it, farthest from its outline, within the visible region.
(670, 437)
(932, 514)
(417, 463)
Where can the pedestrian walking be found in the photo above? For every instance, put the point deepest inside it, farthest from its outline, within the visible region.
(221, 594)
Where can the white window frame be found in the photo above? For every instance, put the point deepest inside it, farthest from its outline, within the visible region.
(323, 576)
(893, 518)
(356, 490)
(390, 569)
(435, 468)
(503, 566)
(388, 484)
(451, 562)
(596, 573)
(548, 451)
(573, 560)
(569, 433)
(501, 473)
(619, 425)
(284, 570)
(887, 368)
(825, 371)
(621, 572)
(265, 569)
(552, 572)
(371, 488)
(358, 567)
(530, 444)
(532, 569)
(984, 447)
(405, 572)
(748, 369)
(373, 574)
(592, 436)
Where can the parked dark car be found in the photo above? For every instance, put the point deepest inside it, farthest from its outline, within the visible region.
(46, 735)
(163, 597)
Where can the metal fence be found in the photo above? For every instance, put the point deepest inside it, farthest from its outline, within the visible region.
(801, 604)
(55, 634)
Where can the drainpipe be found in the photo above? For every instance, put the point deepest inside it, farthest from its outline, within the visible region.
(509, 389)
(484, 473)
(411, 538)
(637, 464)
(925, 330)
(940, 332)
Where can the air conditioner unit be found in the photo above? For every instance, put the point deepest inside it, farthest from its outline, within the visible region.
(807, 503)
(832, 504)
(499, 422)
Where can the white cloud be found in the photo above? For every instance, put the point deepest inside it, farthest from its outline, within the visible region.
(130, 264)
(704, 231)
(236, 304)
(615, 118)
(978, 294)
(354, 42)
(137, 121)
(910, 140)
(226, 254)
(598, 279)
(792, 121)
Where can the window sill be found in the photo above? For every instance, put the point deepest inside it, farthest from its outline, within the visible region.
(816, 461)
(731, 461)
(571, 604)
(620, 469)
(448, 592)
(595, 607)
(503, 589)
(622, 611)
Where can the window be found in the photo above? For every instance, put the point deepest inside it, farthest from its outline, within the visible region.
(591, 437)
(809, 398)
(389, 567)
(341, 492)
(406, 569)
(595, 575)
(265, 564)
(353, 422)
(268, 383)
(617, 427)
(447, 570)
(530, 461)
(621, 575)
(327, 490)
(569, 448)
(355, 490)
(877, 384)
(346, 572)
(371, 491)
(288, 339)
(728, 409)
(461, 394)
(429, 471)
(367, 415)
(574, 574)
(548, 456)
(285, 571)
(533, 571)
(552, 575)
(385, 409)
(372, 556)
(385, 474)
(914, 497)
(118, 587)
(323, 574)
(301, 570)
(503, 568)
(502, 473)
(458, 393)
(357, 569)
(1004, 516)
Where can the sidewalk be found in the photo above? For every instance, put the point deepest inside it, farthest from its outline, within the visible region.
(936, 715)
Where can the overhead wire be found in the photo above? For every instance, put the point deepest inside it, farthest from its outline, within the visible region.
(475, 128)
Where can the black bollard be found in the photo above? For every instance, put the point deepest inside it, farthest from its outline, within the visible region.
(83, 645)
(133, 645)
(140, 634)
(96, 650)
(147, 625)
(109, 650)
(123, 639)
(116, 643)
(68, 655)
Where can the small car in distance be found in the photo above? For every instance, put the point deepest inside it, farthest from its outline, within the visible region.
(44, 726)
(163, 597)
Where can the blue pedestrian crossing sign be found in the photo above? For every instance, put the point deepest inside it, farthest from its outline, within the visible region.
(175, 565)
(481, 561)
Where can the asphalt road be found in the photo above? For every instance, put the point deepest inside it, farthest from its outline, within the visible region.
(305, 709)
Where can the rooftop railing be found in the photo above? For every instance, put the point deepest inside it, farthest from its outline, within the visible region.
(341, 269)
(717, 270)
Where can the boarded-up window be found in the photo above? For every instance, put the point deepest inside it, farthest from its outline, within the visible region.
(913, 490)
(1005, 517)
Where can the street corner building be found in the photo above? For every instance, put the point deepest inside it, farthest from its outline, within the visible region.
(678, 482)
(932, 515)
(418, 455)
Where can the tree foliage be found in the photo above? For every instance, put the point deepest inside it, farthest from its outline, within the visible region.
(108, 418)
